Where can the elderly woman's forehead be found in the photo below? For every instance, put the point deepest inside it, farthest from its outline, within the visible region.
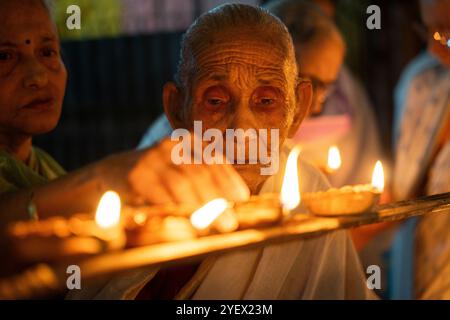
(245, 46)
(243, 50)
(228, 60)
(239, 58)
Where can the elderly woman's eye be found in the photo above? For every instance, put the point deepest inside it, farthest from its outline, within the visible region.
(267, 101)
(49, 52)
(215, 102)
(266, 96)
(4, 56)
(215, 97)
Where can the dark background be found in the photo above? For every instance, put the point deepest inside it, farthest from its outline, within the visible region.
(115, 83)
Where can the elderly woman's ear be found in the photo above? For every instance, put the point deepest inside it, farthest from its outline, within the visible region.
(173, 105)
(303, 101)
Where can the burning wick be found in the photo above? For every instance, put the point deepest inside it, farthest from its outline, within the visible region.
(108, 210)
(378, 177)
(107, 219)
(334, 159)
(437, 36)
(290, 191)
(203, 217)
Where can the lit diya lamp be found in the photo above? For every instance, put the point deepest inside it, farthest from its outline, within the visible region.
(334, 160)
(348, 199)
(290, 190)
(159, 224)
(221, 216)
(259, 211)
(148, 226)
(156, 224)
(59, 238)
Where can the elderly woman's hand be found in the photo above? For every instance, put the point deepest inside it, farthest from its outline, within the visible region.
(150, 176)
(140, 177)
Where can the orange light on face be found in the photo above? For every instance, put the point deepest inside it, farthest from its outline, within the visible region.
(290, 191)
(378, 177)
(334, 158)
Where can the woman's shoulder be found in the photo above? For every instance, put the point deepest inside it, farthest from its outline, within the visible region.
(46, 164)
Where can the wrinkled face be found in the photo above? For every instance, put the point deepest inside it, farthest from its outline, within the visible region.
(436, 17)
(32, 74)
(243, 82)
(321, 63)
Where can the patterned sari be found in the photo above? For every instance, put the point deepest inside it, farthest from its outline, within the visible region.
(421, 250)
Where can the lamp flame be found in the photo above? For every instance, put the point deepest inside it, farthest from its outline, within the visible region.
(437, 36)
(203, 217)
(108, 210)
(334, 158)
(378, 177)
(290, 190)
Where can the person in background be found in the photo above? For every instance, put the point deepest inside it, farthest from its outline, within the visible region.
(341, 114)
(421, 248)
(32, 184)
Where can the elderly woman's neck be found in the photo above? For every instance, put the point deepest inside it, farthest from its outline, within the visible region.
(18, 145)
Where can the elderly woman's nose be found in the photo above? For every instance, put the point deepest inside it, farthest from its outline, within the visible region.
(36, 75)
(243, 117)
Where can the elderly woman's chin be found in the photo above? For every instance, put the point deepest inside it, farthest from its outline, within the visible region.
(35, 123)
(251, 174)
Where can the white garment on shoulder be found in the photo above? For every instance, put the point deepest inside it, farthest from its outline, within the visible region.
(324, 267)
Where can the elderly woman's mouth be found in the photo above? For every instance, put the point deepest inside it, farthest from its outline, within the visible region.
(40, 104)
(246, 166)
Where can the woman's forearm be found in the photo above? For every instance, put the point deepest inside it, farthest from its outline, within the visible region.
(78, 191)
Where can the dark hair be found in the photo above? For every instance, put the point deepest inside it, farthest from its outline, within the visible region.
(304, 19)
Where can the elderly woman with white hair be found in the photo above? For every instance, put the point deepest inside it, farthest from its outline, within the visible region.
(237, 70)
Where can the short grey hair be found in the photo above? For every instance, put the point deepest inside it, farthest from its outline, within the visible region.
(229, 17)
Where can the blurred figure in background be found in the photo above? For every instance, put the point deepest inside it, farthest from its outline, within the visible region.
(341, 113)
(421, 249)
